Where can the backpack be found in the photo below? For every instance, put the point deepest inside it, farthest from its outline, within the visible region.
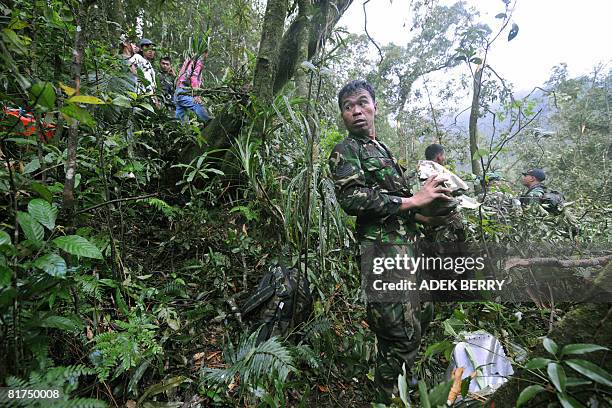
(553, 202)
(271, 305)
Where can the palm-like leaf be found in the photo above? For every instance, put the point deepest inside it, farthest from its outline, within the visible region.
(256, 364)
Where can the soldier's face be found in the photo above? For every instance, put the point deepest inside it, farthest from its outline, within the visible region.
(527, 180)
(165, 65)
(440, 159)
(358, 113)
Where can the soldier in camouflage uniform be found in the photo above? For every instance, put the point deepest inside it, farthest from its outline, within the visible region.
(370, 184)
(535, 189)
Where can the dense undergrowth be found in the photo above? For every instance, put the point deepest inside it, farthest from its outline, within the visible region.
(133, 299)
(130, 298)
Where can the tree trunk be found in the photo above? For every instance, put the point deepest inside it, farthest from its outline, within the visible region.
(325, 14)
(73, 132)
(268, 55)
(301, 75)
(473, 127)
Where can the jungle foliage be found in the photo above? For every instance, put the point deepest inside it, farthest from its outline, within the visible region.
(127, 239)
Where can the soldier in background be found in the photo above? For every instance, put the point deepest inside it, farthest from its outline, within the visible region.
(370, 184)
(167, 76)
(533, 179)
(435, 152)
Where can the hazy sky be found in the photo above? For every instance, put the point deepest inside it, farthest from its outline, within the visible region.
(578, 32)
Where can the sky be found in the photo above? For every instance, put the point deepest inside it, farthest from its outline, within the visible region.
(577, 32)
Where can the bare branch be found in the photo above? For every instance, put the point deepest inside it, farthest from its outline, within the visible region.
(561, 263)
(501, 146)
(117, 200)
(365, 27)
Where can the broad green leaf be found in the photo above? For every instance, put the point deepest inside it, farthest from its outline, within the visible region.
(67, 89)
(439, 394)
(550, 346)
(16, 24)
(12, 37)
(576, 382)
(557, 376)
(43, 212)
(60, 322)
(43, 94)
(5, 275)
(32, 166)
(581, 348)
(500, 15)
(537, 362)
(424, 397)
(53, 264)
(31, 228)
(435, 348)
(122, 101)
(528, 393)
(162, 387)
(147, 106)
(568, 402)
(73, 111)
(120, 302)
(87, 99)
(42, 191)
(452, 326)
(591, 371)
(5, 238)
(476, 60)
(7, 295)
(20, 141)
(77, 245)
(480, 153)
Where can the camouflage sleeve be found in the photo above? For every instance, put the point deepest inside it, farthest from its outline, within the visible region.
(537, 192)
(532, 196)
(354, 196)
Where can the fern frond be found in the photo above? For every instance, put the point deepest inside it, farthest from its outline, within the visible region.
(14, 382)
(316, 327)
(63, 378)
(90, 285)
(173, 289)
(168, 210)
(306, 354)
(267, 359)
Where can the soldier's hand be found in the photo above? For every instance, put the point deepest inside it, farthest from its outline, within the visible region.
(431, 190)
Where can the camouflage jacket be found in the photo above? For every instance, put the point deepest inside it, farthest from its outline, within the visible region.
(533, 195)
(369, 183)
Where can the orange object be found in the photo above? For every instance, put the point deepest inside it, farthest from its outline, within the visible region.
(456, 388)
(29, 123)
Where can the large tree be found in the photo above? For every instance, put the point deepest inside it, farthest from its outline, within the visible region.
(279, 54)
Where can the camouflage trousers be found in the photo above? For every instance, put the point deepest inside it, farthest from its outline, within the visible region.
(397, 320)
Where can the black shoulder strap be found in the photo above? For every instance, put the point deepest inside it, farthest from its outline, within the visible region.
(259, 298)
